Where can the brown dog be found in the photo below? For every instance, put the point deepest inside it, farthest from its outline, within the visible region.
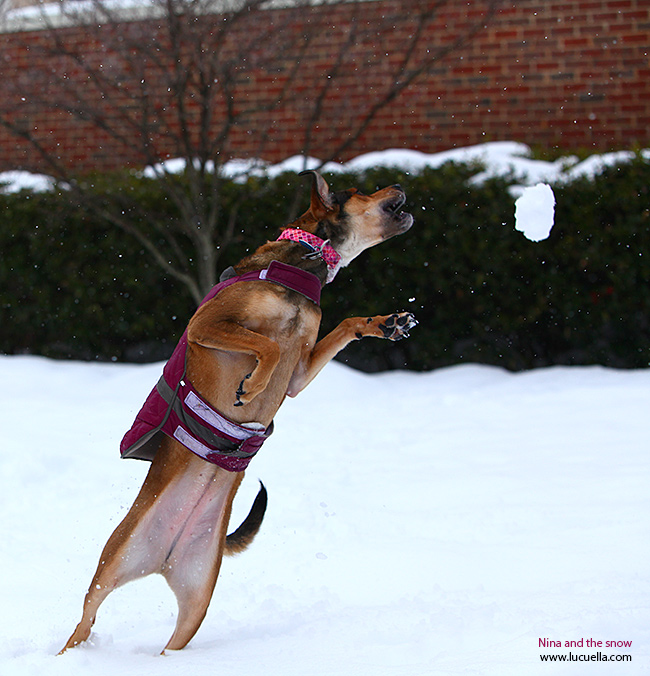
(247, 348)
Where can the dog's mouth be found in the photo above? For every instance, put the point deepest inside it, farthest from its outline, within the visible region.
(393, 207)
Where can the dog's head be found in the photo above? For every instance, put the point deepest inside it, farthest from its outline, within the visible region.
(352, 221)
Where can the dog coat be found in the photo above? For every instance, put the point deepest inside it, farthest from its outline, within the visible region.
(176, 409)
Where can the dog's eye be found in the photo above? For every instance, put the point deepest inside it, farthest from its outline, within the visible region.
(340, 198)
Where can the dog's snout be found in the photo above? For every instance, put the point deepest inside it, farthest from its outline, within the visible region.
(397, 186)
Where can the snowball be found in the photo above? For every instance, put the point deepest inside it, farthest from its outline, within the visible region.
(534, 212)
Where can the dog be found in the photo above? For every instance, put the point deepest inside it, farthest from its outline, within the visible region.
(252, 342)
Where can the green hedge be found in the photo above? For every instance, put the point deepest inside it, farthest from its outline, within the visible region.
(73, 287)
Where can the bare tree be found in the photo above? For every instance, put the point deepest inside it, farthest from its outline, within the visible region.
(198, 80)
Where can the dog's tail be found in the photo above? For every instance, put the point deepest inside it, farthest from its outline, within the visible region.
(238, 540)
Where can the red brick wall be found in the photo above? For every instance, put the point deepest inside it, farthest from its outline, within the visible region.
(570, 75)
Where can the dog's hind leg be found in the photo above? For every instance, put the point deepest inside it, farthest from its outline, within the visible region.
(145, 540)
(176, 527)
(130, 553)
(192, 566)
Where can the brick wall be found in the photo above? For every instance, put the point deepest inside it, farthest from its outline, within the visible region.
(570, 75)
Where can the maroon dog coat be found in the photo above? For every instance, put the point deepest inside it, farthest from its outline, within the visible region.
(176, 409)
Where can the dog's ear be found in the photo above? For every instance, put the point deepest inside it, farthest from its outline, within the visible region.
(321, 198)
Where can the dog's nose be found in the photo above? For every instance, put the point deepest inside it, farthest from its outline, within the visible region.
(398, 186)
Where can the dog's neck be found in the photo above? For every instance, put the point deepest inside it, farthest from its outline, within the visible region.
(317, 248)
(285, 251)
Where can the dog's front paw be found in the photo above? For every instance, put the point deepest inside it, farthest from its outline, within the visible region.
(240, 394)
(397, 326)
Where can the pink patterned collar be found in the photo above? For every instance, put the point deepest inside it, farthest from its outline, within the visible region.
(319, 248)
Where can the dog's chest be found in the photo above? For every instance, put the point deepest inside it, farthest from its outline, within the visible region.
(285, 317)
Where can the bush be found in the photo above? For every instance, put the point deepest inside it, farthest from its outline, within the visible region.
(73, 287)
(81, 290)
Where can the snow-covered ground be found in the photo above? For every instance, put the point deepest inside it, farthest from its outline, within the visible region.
(418, 524)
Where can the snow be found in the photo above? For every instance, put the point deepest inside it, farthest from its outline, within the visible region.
(595, 164)
(69, 12)
(418, 523)
(174, 166)
(500, 158)
(534, 212)
(496, 159)
(14, 181)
